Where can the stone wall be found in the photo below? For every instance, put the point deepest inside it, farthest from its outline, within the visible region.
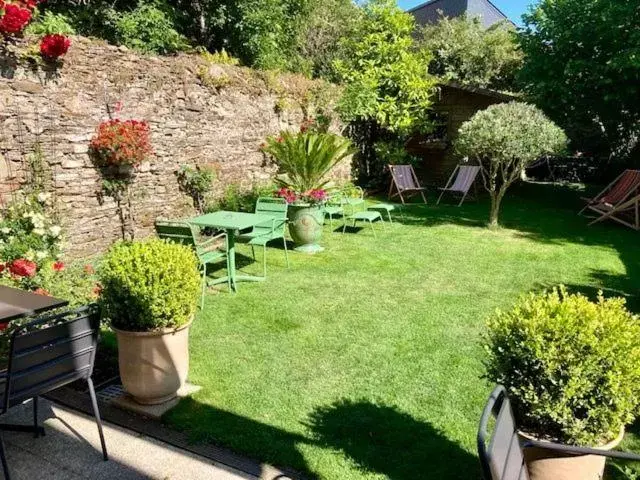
(199, 113)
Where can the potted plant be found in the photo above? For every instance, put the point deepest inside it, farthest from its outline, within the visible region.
(304, 161)
(149, 295)
(572, 371)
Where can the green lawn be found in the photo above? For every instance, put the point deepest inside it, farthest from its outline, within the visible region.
(365, 361)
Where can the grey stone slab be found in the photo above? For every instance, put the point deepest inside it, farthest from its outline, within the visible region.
(70, 450)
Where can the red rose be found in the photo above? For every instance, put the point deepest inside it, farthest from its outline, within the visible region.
(97, 290)
(23, 268)
(3, 326)
(54, 46)
(58, 266)
(15, 19)
(2, 267)
(41, 291)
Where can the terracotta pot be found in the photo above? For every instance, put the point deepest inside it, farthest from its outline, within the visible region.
(305, 227)
(545, 464)
(153, 365)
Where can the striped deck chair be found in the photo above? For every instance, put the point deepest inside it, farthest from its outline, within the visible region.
(619, 201)
(465, 178)
(405, 182)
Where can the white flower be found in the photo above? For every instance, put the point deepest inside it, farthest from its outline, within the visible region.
(41, 255)
(39, 231)
(44, 197)
(30, 255)
(55, 230)
(5, 230)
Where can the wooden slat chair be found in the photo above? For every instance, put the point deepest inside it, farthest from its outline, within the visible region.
(405, 182)
(261, 235)
(619, 201)
(461, 181)
(501, 450)
(207, 250)
(47, 353)
(356, 209)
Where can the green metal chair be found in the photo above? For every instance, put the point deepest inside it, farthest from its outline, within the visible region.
(207, 251)
(356, 210)
(334, 206)
(261, 235)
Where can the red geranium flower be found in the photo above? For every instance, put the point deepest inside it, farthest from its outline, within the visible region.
(89, 270)
(2, 267)
(23, 268)
(42, 291)
(54, 46)
(58, 266)
(97, 290)
(122, 142)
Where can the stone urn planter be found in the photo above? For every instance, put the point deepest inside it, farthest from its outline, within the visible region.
(543, 464)
(305, 227)
(153, 365)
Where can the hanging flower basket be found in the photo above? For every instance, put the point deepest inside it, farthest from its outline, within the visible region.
(121, 143)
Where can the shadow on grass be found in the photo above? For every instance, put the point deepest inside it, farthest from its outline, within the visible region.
(384, 440)
(378, 438)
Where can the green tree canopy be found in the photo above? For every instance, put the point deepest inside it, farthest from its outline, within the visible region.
(583, 69)
(386, 79)
(465, 52)
(505, 139)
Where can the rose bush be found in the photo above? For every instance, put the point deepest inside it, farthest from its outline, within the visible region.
(54, 46)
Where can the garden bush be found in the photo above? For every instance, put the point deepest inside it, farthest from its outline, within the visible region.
(236, 199)
(50, 23)
(149, 285)
(146, 29)
(571, 366)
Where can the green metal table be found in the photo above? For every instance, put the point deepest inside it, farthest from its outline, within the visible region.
(232, 222)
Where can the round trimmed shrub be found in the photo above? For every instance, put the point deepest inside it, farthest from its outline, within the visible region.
(571, 366)
(149, 285)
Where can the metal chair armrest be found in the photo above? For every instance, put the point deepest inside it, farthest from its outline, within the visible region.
(573, 450)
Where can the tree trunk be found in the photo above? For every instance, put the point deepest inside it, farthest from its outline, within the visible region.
(496, 200)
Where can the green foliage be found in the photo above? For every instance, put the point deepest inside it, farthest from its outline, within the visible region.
(571, 366)
(582, 68)
(464, 51)
(386, 80)
(76, 282)
(236, 199)
(305, 159)
(51, 23)
(29, 229)
(221, 57)
(504, 139)
(394, 152)
(196, 182)
(147, 29)
(149, 285)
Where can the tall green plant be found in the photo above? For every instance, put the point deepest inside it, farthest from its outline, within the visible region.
(305, 159)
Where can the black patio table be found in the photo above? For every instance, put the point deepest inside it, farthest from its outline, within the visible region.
(16, 303)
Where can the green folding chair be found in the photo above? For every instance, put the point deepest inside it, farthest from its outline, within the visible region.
(262, 234)
(334, 206)
(356, 210)
(207, 250)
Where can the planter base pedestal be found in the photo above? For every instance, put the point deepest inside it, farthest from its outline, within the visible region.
(311, 248)
(126, 402)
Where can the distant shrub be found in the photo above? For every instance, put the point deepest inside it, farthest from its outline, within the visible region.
(146, 29)
(571, 366)
(236, 199)
(50, 23)
(196, 182)
(220, 57)
(149, 285)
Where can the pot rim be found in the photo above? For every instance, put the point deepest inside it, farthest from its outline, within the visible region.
(153, 333)
(607, 446)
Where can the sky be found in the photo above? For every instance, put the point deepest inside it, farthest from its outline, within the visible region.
(511, 8)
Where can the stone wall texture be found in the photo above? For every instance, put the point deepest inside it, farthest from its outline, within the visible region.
(199, 113)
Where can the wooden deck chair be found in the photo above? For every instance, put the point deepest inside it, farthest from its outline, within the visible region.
(461, 181)
(619, 201)
(405, 181)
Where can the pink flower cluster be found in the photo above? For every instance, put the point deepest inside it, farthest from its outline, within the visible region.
(288, 194)
(311, 196)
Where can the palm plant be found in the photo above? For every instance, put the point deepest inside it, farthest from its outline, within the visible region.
(305, 159)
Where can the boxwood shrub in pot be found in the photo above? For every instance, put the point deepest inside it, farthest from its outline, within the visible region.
(572, 371)
(149, 295)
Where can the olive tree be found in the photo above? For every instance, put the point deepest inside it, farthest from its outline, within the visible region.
(505, 139)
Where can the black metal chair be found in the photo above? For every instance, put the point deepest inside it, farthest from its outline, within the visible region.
(47, 353)
(501, 454)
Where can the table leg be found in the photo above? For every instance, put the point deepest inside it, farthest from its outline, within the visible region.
(231, 258)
